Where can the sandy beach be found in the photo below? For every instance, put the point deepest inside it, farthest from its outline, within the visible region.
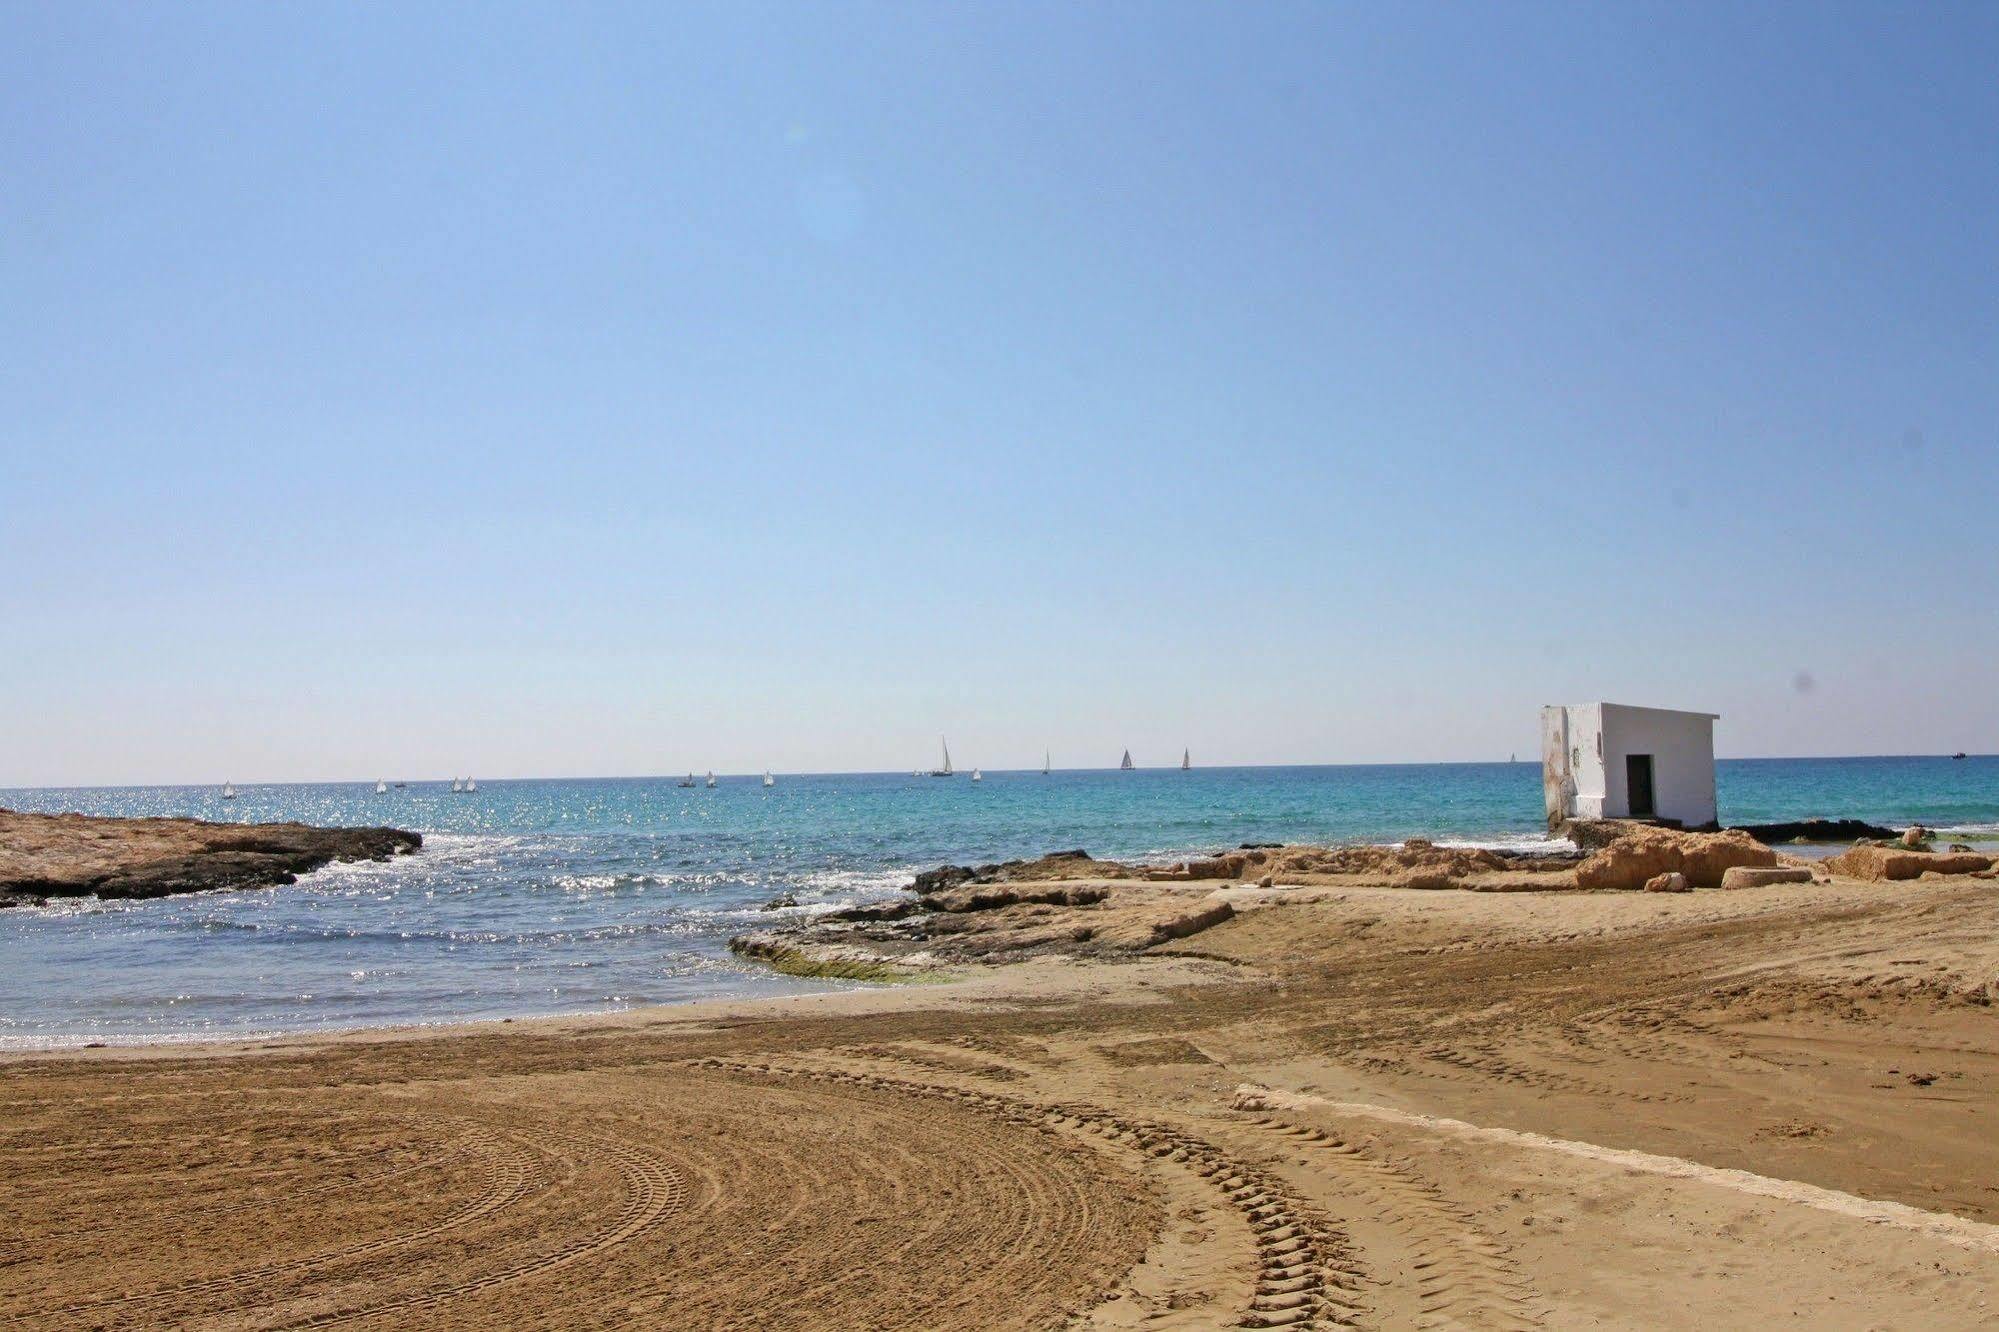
(1339, 1107)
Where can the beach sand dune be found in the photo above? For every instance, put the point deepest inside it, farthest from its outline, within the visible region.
(1338, 1107)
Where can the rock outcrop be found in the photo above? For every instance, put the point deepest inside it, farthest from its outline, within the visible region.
(1416, 863)
(76, 855)
(1642, 853)
(1884, 863)
(986, 922)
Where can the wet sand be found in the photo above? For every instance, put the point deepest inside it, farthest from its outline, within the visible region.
(1340, 1107)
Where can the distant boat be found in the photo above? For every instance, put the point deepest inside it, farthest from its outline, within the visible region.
(1958, 755)
(401, 785)
(1186, 759)
(711, 779)
(228, 791)
(381, 787)
(944, 771)
(1044, 763)
(689, 783)
(457, 784)
(768, 780)
(978, 776)
(1126, 766)
(1512, 758)
(470, 786)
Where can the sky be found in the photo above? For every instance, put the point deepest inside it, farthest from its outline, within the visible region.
(408, 390)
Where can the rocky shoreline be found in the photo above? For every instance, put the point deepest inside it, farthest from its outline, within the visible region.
(77, 855)
(1069, 904)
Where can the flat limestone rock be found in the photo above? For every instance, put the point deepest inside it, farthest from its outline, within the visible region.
(986, 924)
(1752, 876)
(75, 855)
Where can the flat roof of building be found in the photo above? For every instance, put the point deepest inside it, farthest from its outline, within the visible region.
(1637, 707)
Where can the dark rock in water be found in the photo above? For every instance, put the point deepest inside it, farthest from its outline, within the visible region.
(74, 855)
(780, 902)
(1259, 846)
(944, 876)
(1815, 830)
(1076, 864)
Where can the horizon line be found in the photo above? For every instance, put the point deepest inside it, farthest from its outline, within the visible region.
(757, 774)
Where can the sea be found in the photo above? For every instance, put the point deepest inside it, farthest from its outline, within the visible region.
(535, 897)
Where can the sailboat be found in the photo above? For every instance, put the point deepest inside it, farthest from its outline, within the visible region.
(1186, 759)
(1044, 763)
(711, 779)
(1126, 766)
(978, 776)
(768, 779)
(228, 791)
(688, 785)
(944, 771)
(381, 787)
(457, 785)
(470, 786)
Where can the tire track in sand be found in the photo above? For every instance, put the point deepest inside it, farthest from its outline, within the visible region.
(1307, 1277)
(512, 1173)
(653, 1191)
(1462, 1276)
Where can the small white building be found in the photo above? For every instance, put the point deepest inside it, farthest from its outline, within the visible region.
(1612, 761)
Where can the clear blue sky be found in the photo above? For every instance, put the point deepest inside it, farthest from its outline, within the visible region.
(404, 389)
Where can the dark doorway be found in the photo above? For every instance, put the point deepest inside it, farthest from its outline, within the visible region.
(1638, 784)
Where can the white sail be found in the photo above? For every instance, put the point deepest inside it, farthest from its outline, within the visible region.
(381, 787)
(768, 781)
(1044, 763)
(228, 791)
(471, 785)
(978, 776)
(1186, 759)
(711, 779)
(946, 769)
(457, 783)
(1126, 764)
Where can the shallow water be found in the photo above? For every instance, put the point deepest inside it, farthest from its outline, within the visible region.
(535, 897)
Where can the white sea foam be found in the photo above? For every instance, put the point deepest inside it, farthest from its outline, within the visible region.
(1532, 844)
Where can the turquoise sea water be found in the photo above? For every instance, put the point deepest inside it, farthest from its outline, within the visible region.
(536, 897)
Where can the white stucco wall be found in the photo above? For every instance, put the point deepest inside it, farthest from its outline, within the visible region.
(1585, 778)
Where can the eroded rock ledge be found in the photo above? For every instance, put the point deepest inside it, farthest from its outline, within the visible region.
(1070, 903)
(1065, 903)
(75, 855)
